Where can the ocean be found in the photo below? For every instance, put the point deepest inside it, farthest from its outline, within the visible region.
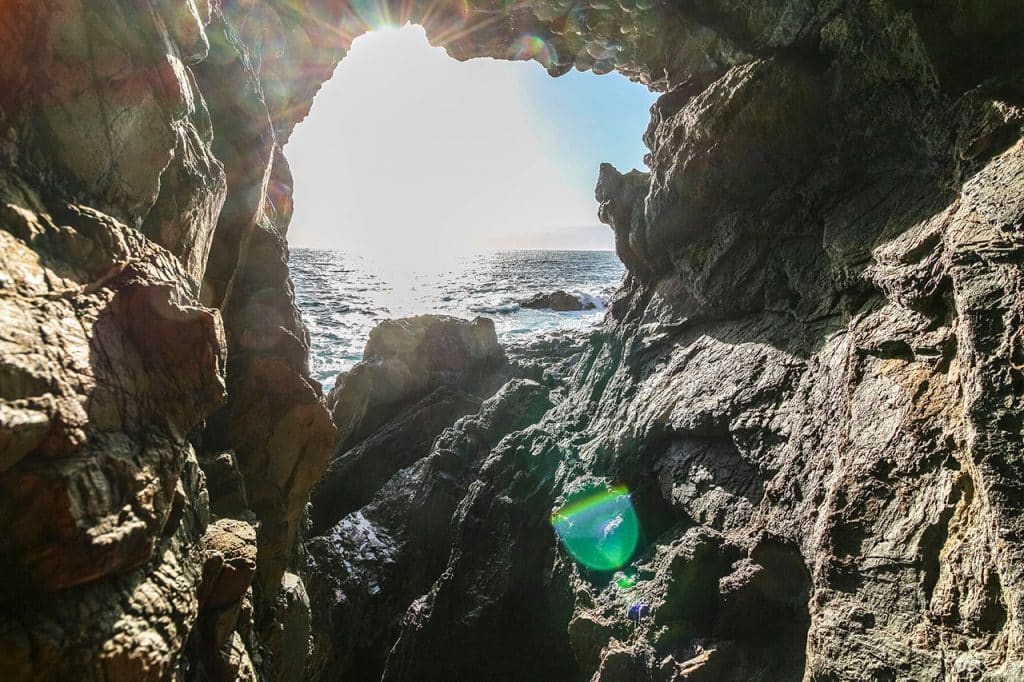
(343, 296)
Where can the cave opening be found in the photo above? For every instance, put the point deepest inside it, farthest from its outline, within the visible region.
(809, 382)
(424, 184)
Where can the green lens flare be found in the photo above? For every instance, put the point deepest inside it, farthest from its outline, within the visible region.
(625, 581)
(599, 528)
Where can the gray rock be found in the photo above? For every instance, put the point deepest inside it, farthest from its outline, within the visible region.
(406, 359)
(368, 568)
(559, 301)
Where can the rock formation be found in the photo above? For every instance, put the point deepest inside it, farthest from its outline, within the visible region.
(152, 355)
(811, 380)
(558, 300)
(404, 360)
(417, 377)
(387, 549)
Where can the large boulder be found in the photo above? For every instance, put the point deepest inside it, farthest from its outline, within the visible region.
(371, 564)
(404, 360)
(418, 376)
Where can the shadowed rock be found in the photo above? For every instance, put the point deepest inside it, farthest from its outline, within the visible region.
(370, 565)
(418, 376)
(406, 359)
(355, 475)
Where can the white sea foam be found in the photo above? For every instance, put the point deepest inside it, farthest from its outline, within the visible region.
(599, 302)
(495, 308)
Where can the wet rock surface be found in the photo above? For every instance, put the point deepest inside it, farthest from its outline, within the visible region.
(558, 300)
(810, 380)
(355, 475)
(377, 560)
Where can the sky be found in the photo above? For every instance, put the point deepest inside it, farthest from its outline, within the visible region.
(408, 149)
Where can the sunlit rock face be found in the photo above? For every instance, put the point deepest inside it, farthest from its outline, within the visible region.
(810, 383)
(158, 428)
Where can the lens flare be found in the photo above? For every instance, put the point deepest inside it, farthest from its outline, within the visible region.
(533, 47)
(625, 580)
(374, 14)
(599, 528)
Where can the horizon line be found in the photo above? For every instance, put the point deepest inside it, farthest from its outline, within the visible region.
(468, 251)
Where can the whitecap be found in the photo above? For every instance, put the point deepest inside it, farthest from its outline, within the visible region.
(501, 308)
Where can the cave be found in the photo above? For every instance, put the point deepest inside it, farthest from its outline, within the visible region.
(828, 182)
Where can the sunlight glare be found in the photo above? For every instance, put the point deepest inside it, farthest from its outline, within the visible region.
(409, 154)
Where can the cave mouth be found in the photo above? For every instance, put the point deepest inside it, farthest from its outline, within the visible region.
(413, 170)
(405, 141)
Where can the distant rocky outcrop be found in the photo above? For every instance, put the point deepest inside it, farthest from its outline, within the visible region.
(561, 301)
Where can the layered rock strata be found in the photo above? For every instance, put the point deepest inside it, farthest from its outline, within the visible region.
(811, 379)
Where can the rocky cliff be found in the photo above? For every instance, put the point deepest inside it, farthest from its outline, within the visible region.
(811, 381)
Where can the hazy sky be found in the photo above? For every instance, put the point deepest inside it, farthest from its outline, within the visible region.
(406, 148)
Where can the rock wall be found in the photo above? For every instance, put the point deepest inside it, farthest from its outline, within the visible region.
(160, 432)
(811, 381)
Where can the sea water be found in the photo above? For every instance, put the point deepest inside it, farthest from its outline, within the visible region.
(343, 296)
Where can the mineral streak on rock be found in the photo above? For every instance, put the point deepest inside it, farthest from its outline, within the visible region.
(811, 380)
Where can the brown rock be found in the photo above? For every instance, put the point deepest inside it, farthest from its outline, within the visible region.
(817, 349)
(98, 470)
(230, 565)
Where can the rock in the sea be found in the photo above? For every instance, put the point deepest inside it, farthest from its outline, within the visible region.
(561, 301)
